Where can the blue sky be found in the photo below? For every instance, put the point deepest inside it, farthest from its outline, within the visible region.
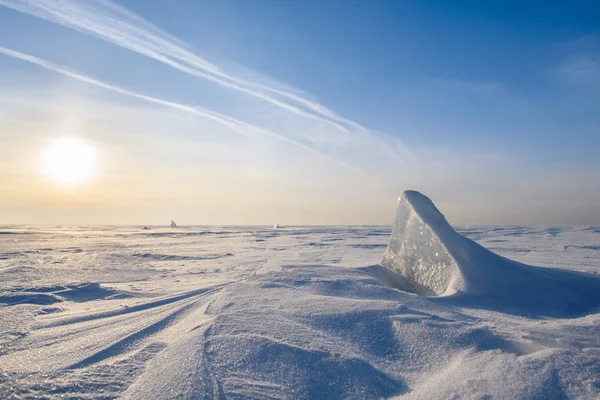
(303, 111)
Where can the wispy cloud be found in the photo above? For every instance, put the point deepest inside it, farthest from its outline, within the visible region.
(583, 70)
(321, 132)
(234, 124)
(119, 26)
(581, 66)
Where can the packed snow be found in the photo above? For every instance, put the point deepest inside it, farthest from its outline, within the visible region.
(301, 312)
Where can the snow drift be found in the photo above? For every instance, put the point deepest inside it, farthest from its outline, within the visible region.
(432, 259)
(122, 312)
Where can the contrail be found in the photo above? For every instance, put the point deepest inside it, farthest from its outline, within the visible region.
(113, 23)
(232, 123)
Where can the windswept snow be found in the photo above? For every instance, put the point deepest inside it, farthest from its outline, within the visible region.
(252, 312)
(433, 259)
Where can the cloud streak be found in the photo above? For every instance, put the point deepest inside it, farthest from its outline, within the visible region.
(237, 126)
(117, 25)
(581, 66)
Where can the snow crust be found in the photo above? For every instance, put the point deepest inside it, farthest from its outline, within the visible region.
(296, 313)
(433, 259)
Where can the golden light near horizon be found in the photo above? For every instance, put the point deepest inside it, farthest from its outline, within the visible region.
(69, 161)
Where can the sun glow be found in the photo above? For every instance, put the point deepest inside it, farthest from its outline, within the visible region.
(69, 161)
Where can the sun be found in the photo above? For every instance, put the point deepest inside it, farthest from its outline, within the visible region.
(69, 161)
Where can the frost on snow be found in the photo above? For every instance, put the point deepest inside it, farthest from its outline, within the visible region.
(300, 313)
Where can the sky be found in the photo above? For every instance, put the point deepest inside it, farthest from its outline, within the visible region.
(301, 112)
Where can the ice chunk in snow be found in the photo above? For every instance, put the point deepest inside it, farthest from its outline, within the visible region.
(434, 260)
(416, 250)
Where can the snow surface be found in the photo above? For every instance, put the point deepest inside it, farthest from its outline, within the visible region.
(433, 259)
(300, 312)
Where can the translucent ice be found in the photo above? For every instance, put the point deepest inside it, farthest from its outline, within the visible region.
(432, 259)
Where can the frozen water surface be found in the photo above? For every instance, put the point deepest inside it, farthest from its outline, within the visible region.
(296, 312)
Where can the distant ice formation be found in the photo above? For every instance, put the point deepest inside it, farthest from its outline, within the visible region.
(173, 224)
(432, 259)
(276, 226)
